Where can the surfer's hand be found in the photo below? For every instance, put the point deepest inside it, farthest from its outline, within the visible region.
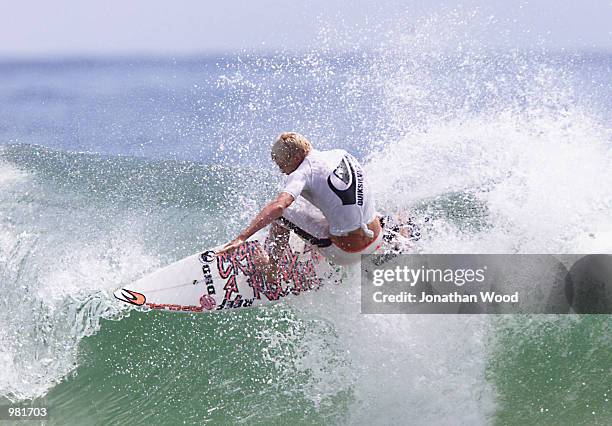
(232, 245)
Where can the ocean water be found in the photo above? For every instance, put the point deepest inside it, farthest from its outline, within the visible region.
(111, 168)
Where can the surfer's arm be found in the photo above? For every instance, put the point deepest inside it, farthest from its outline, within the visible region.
(266, 216)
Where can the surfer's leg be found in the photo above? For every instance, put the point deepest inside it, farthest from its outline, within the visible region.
(268, 258)
(307, 217)
(309, 223)
(277, 241)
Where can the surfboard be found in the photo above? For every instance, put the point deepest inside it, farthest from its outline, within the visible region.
(206, 282)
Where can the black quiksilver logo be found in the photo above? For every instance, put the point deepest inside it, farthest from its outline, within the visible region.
(351, 175)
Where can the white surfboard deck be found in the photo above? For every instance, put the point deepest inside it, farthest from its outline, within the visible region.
(205, 282)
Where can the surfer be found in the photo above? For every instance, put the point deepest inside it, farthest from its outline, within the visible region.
(326, 200)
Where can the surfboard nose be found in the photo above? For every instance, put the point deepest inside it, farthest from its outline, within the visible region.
(130, 296)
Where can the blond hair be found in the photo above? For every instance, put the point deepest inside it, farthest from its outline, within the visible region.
(288, 145)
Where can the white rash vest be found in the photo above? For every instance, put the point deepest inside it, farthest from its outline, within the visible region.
(334, 182)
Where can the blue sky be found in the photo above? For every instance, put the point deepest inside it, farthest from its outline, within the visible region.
(31, 28)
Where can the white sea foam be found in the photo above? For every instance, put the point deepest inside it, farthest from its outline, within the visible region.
(10, 174)
(53, 294)
(534, 160)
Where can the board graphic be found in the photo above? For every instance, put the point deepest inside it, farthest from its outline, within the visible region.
(205, 282)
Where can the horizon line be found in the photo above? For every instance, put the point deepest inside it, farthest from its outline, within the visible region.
(259, 53)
